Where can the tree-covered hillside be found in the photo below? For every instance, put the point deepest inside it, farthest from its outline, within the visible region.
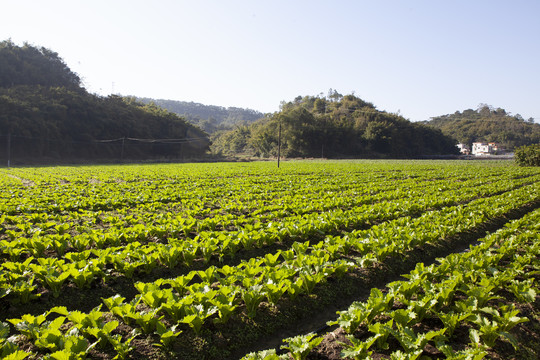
(210, 118)
(334, 126)
(488, 124)
(29, 65)
(45, 115)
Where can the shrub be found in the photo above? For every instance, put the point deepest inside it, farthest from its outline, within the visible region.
(528, 155)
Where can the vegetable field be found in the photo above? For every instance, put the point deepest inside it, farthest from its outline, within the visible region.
(246, 260)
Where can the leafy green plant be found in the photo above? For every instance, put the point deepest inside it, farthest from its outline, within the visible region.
(502, 322)
(382, 331)
(452, 319)
(29, 325)
(50, 337)
(273, 291)
(196, 315)
(358, 349)
(300, 346)
(264, 355)
(146, 320)
(17, 355)
(412, 342)
(523, 290)
(252, 297)
(166, 335)
(102, 334)
(22, 291)
(121, 346)
(473, 353)
(400, 355)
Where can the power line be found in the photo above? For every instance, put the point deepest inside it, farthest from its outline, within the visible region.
(158, 141)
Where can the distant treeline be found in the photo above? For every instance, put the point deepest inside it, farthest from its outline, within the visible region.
(488, 124)
(210, 118)
(46, 115)
(334, 126)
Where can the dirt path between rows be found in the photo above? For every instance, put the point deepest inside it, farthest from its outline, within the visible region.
(25, 182)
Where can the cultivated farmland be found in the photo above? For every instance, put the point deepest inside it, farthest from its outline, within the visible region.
(221, 261)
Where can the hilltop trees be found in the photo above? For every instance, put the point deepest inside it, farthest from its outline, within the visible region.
(210, 118)
(45, 113)
(334, 126)
(490, 124)
(29, 65)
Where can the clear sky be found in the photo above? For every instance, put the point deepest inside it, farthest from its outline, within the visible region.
(421, 58)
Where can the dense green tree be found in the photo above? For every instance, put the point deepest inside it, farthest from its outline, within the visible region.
(487, 124)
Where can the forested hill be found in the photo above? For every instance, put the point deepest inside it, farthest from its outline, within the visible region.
(47, 116)
(488, 124)
(334, 126)
(210, 118)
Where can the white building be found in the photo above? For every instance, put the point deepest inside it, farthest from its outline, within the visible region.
(464, 149)
(480, 148)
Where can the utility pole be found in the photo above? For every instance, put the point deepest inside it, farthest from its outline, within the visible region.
(9, 149)
(122, 152)
(279, 144)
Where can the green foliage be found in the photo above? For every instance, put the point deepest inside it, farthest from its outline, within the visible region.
(358, 349)
(487, 124)
(29, 65)
(210, 118)
(166, 335)
(333, 126)
(48, 114)
(300, 346)
(528, 155)
(142, 214)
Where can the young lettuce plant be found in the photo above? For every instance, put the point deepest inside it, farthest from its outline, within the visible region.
(176, 307)
(196, 315)
(382, 331)
(17, 355)
(8, 349)
(523, 290)
(166, 335)
(350, 319)
(102, 334)
(273, 291)
(265, 355)
(451, 320)
(400, 355)
(225, 303)
(252, 298)
(412, 342)
(23, 291)
(473, 353)
(147, 320)
(490, 331)
(359, 349)
(122, 347)
(50, 337)
(300, 346)
(29, 325)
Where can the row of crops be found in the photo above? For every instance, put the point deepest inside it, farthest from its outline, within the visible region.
(168, 260)
(463, 294)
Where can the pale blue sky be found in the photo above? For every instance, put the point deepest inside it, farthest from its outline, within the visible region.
(420, 57)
